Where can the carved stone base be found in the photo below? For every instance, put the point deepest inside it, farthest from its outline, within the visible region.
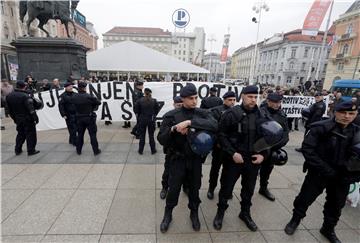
(50, 58)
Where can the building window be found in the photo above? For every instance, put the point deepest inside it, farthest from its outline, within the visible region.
(281, 66)
(306, 53)
(293, 52)
(340, 66)
(303, 66)
(289, 79)
(174, 52)
(276, 54)
(275, 65)
(291, 65)
(2, 7)
(12, 12)
(345, 49)
(349, 29)
(283, 52)
(184, 52)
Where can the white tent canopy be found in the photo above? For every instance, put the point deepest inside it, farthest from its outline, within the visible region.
(130, 56)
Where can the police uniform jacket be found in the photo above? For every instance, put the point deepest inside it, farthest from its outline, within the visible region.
(238, 131)
(21, 106)
(326, 148)
(66, 107)
(317, 110)
(210, 102)
(176, 142)
(146, 109)
(85, 104)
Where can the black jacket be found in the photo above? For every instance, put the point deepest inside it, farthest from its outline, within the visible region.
(280, 117)
(317, 110)
(210, 102)
(238, 131)
(146, 109)
(326, 148)
(217, 111)
(85, 104)
(21, 106)
(200, 120)
(66, 107)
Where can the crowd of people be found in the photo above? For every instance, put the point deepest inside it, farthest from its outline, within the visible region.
(246, 140)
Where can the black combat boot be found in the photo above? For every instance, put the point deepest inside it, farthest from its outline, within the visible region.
(164, 226)
(266, 193)
(195, 220)
(217, 223)
(329, 233)
(292, 225)
(246, 217)
(210, 194)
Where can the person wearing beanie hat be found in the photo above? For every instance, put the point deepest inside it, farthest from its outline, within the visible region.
(212, 100)
(68, 111)
(317, 110)
(165, 176)
(85, 107)
(216, 162)
(331, 152)
(146, 109)
(185, 164)
(272, 107)
(239, 129)
(21, 109)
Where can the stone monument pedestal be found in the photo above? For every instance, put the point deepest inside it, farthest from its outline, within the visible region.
(50, 58)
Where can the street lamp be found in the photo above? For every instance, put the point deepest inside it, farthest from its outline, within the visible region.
(257, 8)
(211, 40)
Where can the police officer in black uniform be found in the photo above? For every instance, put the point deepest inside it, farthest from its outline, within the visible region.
(146, 109)
(85, 105)
(317, 110)
(22, 111)
(212, 100)
(184, 163)
(229, 101)
(327, 149)
(272, 108)
(238, 132)
(138, 94)
(68, 112)
(165, 176)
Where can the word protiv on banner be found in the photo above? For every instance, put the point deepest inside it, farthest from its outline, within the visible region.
(293, 105)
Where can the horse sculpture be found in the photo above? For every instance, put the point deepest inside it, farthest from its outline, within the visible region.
(45, 10)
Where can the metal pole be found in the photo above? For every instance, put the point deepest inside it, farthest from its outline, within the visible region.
(311, 62)
(323, 43)
(254, 59)
(225, 70)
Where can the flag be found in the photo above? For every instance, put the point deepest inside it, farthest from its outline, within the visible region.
(315, 17)
(225, 48)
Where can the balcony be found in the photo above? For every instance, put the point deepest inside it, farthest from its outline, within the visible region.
(339, 56)
(348, 36)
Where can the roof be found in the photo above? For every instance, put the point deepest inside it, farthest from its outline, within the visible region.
(355, 6)
(137, 31)
(130, 56)
(296, 35)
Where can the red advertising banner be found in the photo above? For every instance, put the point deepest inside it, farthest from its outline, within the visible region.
(225, 48)
(315, 17)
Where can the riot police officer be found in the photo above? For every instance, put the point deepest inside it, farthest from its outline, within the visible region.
(22, 111)
(146, 109)
(165, 176)
(239, 135)
(212, 100)
(229, 101)
(85, 105)
(184, 162)
(316, 111)
(272, 108)
(139, 85)
(328, 149)
(68, 112)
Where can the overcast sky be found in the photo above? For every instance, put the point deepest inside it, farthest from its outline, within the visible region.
(215, 16)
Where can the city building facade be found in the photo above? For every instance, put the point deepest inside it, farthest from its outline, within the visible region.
(344, 59)
(188, 47)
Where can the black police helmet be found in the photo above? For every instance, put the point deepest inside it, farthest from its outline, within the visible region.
(272, 133)
(279, 157)
(201, 142)
(38, 104)
(305, 113)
